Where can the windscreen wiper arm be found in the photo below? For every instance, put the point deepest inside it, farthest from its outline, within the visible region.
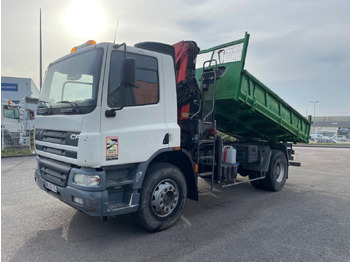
(45, 106)
(45, 103)
(68, 102)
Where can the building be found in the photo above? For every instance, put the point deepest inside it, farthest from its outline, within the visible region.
(15, 122)
(331, 126)
(16, 88)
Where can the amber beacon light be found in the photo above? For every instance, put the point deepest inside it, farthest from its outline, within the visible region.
(86, 44)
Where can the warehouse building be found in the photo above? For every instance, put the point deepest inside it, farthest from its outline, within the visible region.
(16, 88)
(331, 126)
(16, 122)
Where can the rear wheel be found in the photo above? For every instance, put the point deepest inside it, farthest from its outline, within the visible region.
(278, 172)
(163, 197)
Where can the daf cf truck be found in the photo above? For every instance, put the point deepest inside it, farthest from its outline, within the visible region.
(122, 129)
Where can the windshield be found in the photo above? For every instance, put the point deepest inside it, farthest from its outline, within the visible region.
(72, 83)
(11, 112)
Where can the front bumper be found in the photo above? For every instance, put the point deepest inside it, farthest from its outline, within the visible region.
(109, 199)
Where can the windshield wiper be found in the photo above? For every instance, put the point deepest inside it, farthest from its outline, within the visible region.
(73, 104)
(45, 103)
(46, 106)
(68, 102)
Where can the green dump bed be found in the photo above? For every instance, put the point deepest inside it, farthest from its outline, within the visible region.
(245, 107)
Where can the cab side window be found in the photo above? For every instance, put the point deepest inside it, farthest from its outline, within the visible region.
(146, 89)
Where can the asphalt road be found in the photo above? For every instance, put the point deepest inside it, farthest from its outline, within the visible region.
(309, 220)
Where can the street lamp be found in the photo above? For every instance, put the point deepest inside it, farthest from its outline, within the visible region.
(315, 102)
(336, 134)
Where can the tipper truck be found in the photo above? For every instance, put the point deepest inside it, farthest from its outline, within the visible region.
(123, 129)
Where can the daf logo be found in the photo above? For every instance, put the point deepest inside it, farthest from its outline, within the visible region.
(74, 136)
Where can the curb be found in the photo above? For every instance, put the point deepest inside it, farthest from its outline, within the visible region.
(29, 155)
(324, 146)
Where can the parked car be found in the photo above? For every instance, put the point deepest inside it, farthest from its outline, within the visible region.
(326, 140)
(317, 137)
(340, 138)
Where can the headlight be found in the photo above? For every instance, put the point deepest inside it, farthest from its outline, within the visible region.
(86, 180)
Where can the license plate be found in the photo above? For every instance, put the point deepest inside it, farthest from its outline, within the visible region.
(50, 186)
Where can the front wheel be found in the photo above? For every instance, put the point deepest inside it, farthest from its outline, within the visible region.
(163, 197)
(277, 173)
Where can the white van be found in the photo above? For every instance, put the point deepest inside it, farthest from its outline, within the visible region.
(315, 137)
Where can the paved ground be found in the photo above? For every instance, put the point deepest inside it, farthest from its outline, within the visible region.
(309, 220)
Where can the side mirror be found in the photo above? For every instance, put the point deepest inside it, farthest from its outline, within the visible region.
(128, 72)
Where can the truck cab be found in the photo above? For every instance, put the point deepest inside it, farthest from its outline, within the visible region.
(78, 91)
(11, 125)
(94, 137)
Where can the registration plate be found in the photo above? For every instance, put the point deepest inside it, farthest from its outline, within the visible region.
(50, 186)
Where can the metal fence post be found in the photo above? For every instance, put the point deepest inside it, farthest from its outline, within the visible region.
(2, 140)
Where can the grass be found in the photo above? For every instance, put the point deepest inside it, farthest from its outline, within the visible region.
(15, 152)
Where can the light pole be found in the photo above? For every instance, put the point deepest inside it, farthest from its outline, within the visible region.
(336, 134)
(315, 102)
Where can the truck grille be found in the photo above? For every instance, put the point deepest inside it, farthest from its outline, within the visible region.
(60, 152)
(57, 137)
(54, 172)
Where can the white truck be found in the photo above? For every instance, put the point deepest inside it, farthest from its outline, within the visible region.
(11, 123)
(28, 107)
(128, 130)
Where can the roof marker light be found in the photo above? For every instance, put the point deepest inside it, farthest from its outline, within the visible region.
(86, 44)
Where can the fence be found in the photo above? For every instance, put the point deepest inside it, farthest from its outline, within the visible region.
(14, 143)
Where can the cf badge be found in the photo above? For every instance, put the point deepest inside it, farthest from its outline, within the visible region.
(74, 136)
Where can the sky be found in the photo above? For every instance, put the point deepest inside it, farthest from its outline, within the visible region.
(299, 49)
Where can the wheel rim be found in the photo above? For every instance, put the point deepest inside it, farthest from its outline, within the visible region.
(165, 198)
(279, 171)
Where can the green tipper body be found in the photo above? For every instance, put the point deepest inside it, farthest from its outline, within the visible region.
(245, 107)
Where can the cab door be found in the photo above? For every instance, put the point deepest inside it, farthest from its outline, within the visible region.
(138, 128)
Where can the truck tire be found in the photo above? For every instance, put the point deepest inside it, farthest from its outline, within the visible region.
(277, 173)
(256, 183)
(162, 199)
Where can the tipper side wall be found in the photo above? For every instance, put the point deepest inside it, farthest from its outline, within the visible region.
(245, 107)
